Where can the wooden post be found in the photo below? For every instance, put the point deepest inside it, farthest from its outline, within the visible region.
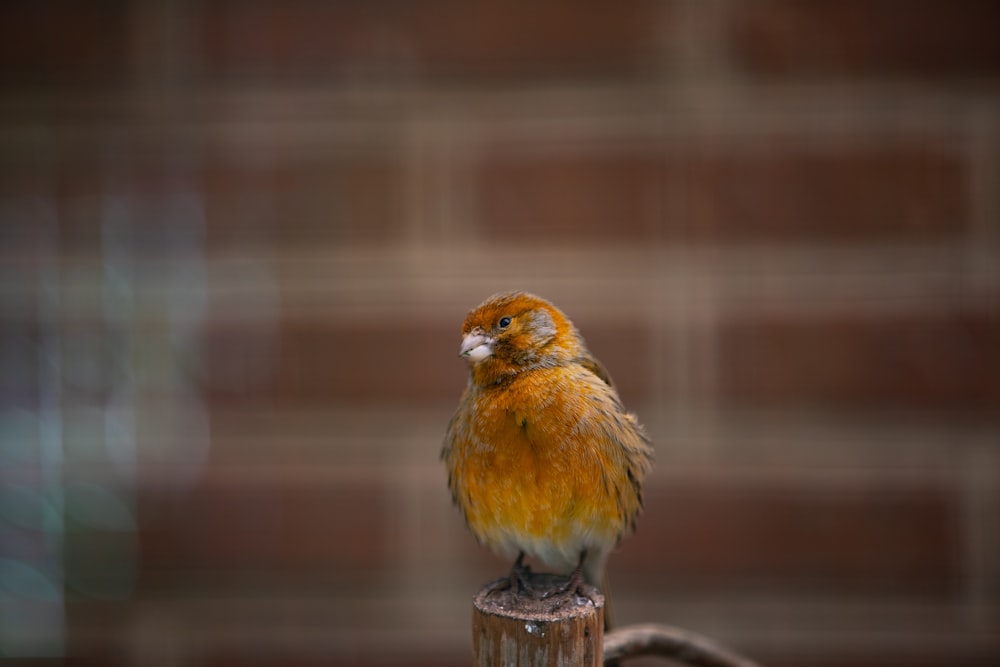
(540, 628)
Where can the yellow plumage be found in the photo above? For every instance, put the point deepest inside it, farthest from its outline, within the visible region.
(542, 458)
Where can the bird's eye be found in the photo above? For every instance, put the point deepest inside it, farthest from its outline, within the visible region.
(504, 322)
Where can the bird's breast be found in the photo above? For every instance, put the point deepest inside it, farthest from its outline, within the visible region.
(530, 470)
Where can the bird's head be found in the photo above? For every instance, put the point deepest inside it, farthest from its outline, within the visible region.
(514, 331)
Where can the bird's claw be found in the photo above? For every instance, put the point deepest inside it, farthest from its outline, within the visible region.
(516, 582)
(572, 588)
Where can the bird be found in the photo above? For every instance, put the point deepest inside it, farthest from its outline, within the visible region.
(543, 460)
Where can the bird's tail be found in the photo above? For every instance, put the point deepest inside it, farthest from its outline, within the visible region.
(595, 574)
(608, 609)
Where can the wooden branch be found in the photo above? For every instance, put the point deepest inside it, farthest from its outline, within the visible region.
(674, 643)
(539, 627)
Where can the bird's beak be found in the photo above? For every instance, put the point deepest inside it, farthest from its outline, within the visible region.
(476, 346)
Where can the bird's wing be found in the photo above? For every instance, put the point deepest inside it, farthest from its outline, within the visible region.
(588, 361)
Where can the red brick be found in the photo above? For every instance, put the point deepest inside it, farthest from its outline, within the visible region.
(60, 207)
(292, 206)
(867, 38)
(62, 42)
(265, 524)
(82, 187)
(945, 360)
(776, 191)
(625, 348)
(569, 198)
(861, 538)
(303, 205)
(325, 362)
(436, 38)
(783, 191)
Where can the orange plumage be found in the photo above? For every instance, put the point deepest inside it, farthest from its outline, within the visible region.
(542, 458)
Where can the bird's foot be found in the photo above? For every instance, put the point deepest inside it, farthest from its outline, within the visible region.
(515, 582)
(573, 588)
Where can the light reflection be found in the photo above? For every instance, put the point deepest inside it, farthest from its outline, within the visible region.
(32, 612)
(19, 579)
(97, 507)
(104, 399)
(18, 437)
(23, 506)
(119, 434)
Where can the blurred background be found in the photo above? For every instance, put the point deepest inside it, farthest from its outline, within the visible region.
(238, 240)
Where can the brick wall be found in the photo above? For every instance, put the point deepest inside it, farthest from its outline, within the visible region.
(237, 241)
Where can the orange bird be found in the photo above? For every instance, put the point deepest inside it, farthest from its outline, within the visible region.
(542, 457)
